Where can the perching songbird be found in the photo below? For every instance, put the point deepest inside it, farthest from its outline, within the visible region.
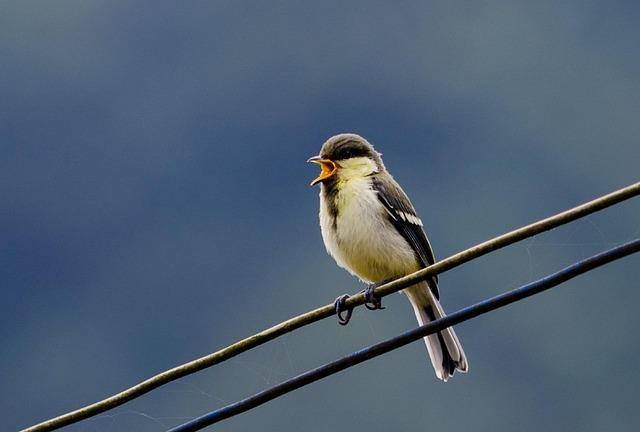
(371, 229)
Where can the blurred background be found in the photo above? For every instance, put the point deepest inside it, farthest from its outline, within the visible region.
(155, 207)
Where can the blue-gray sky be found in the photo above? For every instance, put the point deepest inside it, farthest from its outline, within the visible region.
(154, 205)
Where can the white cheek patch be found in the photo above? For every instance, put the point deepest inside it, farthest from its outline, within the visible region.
(357, 167)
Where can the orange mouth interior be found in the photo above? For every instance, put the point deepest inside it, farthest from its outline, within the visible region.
(329, 169)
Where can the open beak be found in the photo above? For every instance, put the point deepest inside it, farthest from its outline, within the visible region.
(329, 169)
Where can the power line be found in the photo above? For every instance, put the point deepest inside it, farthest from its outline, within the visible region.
(328, 310)
(410, 336)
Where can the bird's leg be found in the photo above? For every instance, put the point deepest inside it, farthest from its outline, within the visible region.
(341, 308)
(372, 302)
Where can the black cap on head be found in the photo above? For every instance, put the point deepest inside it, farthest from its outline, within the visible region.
(347, 146)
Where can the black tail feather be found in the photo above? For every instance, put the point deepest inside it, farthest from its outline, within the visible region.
(448, 363)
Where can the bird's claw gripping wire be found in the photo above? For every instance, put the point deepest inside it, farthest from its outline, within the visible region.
(342, 310)
(372, 302)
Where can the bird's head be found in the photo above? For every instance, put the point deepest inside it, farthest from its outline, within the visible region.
(346, 156)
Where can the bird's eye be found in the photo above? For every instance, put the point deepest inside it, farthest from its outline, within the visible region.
(346, 153)
(350, 151)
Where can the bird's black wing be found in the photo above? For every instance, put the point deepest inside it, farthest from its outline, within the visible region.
(404, 218)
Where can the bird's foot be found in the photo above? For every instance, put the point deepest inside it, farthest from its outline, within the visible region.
(372, 302)
(342, 310)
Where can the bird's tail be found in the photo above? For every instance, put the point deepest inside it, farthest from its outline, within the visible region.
(444, 348)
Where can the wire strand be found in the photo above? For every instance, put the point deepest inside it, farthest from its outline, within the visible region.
(328, 310)
(388, 345)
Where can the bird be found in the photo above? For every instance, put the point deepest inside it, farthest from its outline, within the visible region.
(372, 230)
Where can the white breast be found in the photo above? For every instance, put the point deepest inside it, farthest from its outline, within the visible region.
(363, 240)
